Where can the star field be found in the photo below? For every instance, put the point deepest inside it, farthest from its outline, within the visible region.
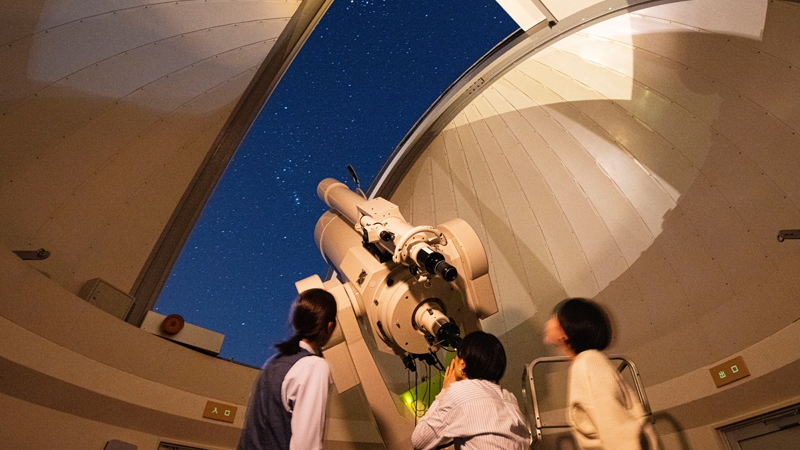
(369, 70)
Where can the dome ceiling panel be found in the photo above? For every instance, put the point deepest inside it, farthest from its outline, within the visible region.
(592, 180)
(548, 213)
(511, 213)
(736, 63)
(673, 172)
(660, 291)
(565, 8)
(466, 204)
(445, 207)
(122, 74)
(704, 284)
(687, 88)
(108, 111)
(593, 163)
(425, 208)
(763, 139)
(86, 148)
(634, 162)
(501, 246)
(782, 28)
(123, 180)
(520, 175)
(569, 195)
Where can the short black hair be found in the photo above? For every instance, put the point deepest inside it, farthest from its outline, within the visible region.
(484, 356)
(585, 323)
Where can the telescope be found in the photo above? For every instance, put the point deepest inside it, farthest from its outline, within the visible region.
(403, 293)
(416, 287)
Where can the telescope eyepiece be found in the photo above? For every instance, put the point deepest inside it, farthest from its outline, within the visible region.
(431, 318)
(449, 335)
(434, 263)
(446, 271)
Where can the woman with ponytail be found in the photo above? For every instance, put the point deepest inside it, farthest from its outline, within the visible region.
(287, 406)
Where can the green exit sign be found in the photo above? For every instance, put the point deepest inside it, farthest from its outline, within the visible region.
(729, 371)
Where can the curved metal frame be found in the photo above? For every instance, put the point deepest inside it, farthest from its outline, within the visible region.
(497, 62)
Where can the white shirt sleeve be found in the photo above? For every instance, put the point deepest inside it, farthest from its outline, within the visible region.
(304, 393)
(431, 428)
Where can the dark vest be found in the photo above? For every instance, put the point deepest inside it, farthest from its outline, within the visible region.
(268, 426)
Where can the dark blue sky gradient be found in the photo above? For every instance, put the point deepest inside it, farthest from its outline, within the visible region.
(367, 73)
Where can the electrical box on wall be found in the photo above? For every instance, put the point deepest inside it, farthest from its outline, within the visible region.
(192, 336)
(107, 297)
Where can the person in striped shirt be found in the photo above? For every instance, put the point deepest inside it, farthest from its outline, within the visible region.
(472, 410)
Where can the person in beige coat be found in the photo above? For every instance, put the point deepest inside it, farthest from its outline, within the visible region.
(603, 410)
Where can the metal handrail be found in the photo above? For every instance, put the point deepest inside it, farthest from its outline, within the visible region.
(528, 386)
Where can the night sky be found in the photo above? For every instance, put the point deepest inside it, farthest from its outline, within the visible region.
(368, 72)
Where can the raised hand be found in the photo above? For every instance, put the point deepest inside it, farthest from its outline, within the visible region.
(453, 373)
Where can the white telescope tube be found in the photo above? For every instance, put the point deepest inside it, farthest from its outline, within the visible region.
(339, 197)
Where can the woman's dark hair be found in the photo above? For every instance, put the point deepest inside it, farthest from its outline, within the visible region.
(484, 356)
(311, 313)
(585, 323)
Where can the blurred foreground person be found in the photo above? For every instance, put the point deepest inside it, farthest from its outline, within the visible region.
(603, 410)
(287, 406)
(472, 410)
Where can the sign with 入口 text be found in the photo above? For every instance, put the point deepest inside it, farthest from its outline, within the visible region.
(219, 411)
